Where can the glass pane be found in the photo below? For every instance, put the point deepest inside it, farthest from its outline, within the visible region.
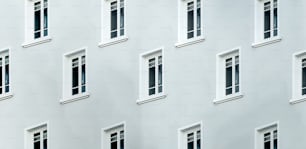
(113, 141)
(7, 75)
(46, 22)
(160, 74)
(228, 76)
(83, 75)
(267, 140)
(267, 21)
(114, 19)
(151, 76)
(190, 20)
(36, 140)
(122, 144)
(45, 137)
(190, 145)
(198, 17)
(275, 22)
(75, 76)
(121, 17)
(37, 10)
(303, 80)
(237, 74)
(198, 144)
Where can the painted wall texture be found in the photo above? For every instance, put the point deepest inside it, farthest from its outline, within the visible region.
(190, 76)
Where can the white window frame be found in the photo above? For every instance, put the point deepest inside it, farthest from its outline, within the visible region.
(29, 132)
(29, 24)
(6, 95)
(259, 25)
(297, 96)
(105, 134)
(182, 24)
(183, 131)
(67, 78)
(260, 131)
(221, 96)
(144, 96)
(106, 40)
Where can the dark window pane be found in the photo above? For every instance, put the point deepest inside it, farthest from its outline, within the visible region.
(190, 20)
(152, 80)
(36, 140)
(303, 80)
(114, 19)
(160, 74)
(75, 76)
(267, 145)
(7, 75)
(198, 144)
(83, 75)
(121, 21)
(198, 18)
(237, 78)
(228, 78)
(46, 22)
(267, 20)
(122, 144)
(190, 145)
(275, 21)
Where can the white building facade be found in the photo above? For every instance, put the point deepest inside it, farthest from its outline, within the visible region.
(180, 74)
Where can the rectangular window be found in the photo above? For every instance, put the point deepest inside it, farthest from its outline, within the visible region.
(75, 75)
(40, 18)
(267, 138)
(193, 19)
(4, 73)
(114, 137)
(37, 137)
(152, 75)
(228, 72)
(190, 137)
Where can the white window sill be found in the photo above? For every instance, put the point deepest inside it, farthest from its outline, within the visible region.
(266, 42)
(189, 42)
(151, 98)
(36, 42)
(6, 96)
(113, 41)
(228, 98)
(75, 98)
(297, 100)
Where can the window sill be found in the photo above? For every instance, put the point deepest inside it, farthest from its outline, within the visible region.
(6, 96)
(36, 42)
(297, 100)
(151, 98)
(267, 42)
(113, 41)
(228, 98)
(189, 42)
(74, 98)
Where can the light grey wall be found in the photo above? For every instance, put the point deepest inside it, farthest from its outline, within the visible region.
(190, 76)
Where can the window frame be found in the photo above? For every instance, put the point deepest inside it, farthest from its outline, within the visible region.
(107, 131)
(144, 96)
(185, 130)
(29, 132)
(67, 78)
(30, 40)
(106, 40)
(9, 94)
(221, 96)
(259, 39)
(260, 131)
(297, 96)
(183, 40)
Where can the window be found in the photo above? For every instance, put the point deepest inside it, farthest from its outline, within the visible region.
(37, 137)
(190, 137)
(228, 75)
(299, 77)
(114, 137)
(113, 22)
(152, 77)
(267, 137)
(5, 89)
(190, 22)
(267, 28)
(75, 84)
(37, 28)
